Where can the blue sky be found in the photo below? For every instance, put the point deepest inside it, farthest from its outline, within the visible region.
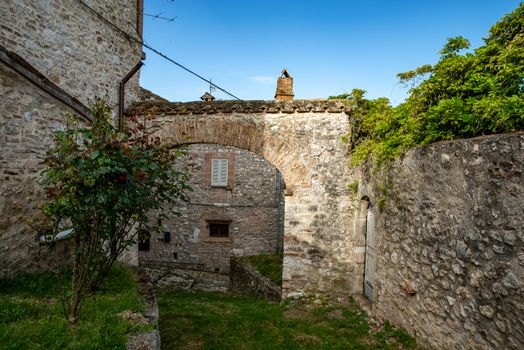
(329, 47)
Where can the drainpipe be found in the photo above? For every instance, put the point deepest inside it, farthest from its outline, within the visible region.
(121, 94)
(278, 204)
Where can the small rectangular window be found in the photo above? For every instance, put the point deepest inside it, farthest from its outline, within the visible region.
(219, 172)
(219, 230)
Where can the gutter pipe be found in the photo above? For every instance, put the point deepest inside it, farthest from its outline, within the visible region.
(121, 94)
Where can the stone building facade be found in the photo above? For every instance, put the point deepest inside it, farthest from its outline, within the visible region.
(241, 216)
(55, 58)
(85, 47)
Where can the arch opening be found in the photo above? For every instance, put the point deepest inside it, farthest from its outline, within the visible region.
(302, 143)
(236, 209)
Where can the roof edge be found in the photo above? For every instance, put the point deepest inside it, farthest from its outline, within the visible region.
(245, 106)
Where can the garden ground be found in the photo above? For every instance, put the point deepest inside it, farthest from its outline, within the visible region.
(204, 320)
(31, 315)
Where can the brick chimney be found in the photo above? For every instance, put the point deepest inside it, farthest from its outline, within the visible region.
(284, 87)
(207, 97)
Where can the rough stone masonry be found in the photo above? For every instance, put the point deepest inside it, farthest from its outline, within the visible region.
(248, 204)
(449, 243)
(65, 45)
(302, 139)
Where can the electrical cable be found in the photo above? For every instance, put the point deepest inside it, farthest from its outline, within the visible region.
(149, 47)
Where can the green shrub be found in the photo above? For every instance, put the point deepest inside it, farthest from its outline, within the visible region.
(353, 187)
(106, 183)
(462, 95)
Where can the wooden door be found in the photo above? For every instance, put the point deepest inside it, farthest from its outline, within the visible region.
(369, 268)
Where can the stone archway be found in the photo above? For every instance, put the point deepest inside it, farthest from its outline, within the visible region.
(302, 139)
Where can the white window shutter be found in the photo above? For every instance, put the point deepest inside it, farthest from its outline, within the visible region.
(214, 172)
(219, 172)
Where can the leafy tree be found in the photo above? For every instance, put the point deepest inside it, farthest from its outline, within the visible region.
(105, 184)
(462, 95)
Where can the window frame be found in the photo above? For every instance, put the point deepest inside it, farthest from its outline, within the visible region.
(207, 169)
(219, 229)
(210, 238)
(220, 167)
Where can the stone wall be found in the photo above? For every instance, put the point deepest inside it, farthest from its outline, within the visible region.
(72, 46)
(245, 279)
(248, 203)
(65, 45)
(302, 139)
(28, 119)
(449, 243)
(146, 340)
(167, 275)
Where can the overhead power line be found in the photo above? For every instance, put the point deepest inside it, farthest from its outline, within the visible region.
(189, 70)
(149, 47)
(160, 17)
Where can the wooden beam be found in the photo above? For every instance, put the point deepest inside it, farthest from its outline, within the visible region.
(22, 67)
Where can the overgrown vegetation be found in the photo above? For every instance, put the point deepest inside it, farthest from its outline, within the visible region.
(462, 95)
(31, 316)
(199, 320)
(105, 184)
(269, 265)
(353, 187)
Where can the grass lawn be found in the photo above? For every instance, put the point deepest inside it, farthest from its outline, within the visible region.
(269, 265)
(31, 314)
(201, 320)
